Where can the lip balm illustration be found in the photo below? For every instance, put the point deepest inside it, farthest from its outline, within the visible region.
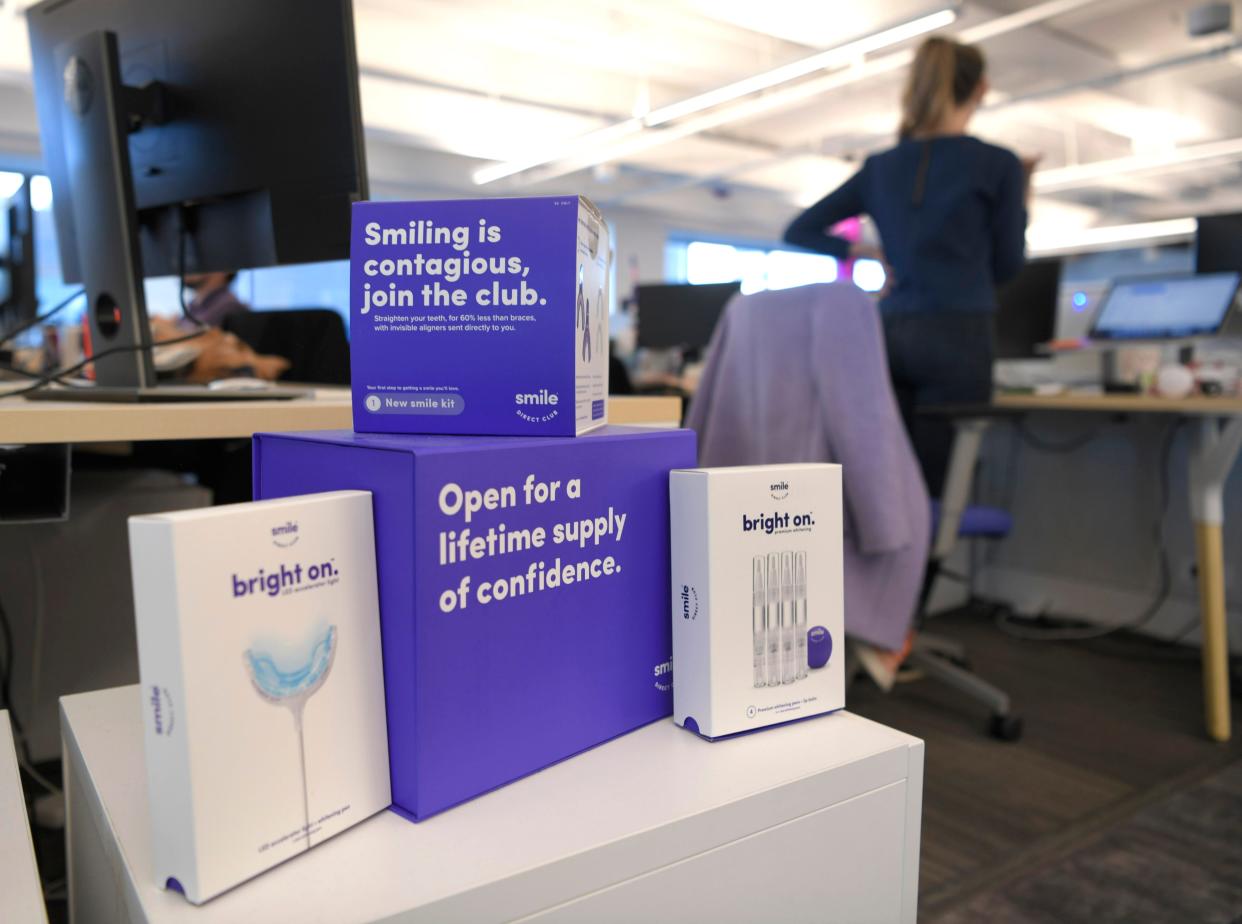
(818, 647)
(757, 627)
(292, 689)
(772, 619)
(788, 669)
(800, 614)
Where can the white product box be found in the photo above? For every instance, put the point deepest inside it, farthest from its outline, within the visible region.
(262, 682)
(757, 596)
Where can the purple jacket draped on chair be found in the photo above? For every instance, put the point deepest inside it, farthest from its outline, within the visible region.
(800, 375)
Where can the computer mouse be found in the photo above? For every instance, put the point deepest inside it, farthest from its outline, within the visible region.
(239, 383)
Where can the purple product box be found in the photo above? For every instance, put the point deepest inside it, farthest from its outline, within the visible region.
(523, 592)
(479, 316)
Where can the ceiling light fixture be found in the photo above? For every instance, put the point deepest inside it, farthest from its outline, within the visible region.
(581, 153)
(1146, 232)
(836, 57)
(1058, 179)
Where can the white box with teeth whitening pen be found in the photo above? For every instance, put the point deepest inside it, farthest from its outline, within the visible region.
(758, 596)
(262, 682)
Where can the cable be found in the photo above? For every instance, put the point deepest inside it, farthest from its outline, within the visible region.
(40, 318)
(1005, 621)
(55, 376)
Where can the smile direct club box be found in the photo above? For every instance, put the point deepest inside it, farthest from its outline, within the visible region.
(523, 592)
(263, 699)
(483, 316)
(758, 601)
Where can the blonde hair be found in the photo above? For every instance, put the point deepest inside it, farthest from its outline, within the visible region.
(944, 74)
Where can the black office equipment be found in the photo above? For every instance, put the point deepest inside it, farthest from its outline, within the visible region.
(1218, 244)
(192, 136)
(312, 339)
(1026, 310)
(18, 301)
(680, 316)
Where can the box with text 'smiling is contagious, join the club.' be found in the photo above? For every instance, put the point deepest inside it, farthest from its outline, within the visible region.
(480, 316)
(523, 588)
(262, 693)
(757, 595)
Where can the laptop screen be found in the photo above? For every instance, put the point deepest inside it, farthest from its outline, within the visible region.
(1168, 307)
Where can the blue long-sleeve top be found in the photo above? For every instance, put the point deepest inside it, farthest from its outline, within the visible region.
(951, 214)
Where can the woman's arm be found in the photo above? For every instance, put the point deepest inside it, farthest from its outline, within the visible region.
(810, 229)
(1009, 221)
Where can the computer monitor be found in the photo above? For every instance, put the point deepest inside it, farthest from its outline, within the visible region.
(18, 300)
(1218, 244)
(192, 136)
(680, 316)
(1166, 307)
(1026, 310)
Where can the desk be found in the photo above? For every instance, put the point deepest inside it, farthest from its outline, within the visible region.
(91, 422)
(818, 820)
(1214, 448)
(21, 895)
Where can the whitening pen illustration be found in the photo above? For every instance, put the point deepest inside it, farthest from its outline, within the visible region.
(800, 614)
(772, 619)
(788, 669)
(292, 689)
(757, 624)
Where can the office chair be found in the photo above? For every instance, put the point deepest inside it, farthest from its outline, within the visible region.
(801, 375)
(312, 339)
(954, 518)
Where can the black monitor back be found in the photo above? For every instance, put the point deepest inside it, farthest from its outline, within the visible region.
(1026, 309)
(1218, 244)
(19, 301)
(680, 316)
(263, 137)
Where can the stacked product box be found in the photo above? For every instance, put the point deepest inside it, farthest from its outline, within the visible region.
(523, 588)
(522, 545)
(485, 316)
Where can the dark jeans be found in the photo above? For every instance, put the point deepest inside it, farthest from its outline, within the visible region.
(938, 359)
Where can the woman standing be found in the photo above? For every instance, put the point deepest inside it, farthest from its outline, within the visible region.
(951, 212)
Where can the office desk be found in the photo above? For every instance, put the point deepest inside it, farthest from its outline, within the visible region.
(90, 422)
(1214, 447)
(816, 820)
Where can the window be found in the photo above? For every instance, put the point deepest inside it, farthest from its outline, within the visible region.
(757, 268)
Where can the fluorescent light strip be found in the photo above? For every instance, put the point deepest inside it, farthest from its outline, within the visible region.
(1097, 238)
(786, 96)
(1077, 175)
(838, 56)
(591, 140)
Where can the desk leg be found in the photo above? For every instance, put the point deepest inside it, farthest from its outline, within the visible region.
(1213, 450)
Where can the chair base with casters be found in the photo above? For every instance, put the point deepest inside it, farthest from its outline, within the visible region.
(936, 656)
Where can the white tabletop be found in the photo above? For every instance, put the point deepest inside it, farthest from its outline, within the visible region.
(634, 804)
(24, 421)
(21, 896)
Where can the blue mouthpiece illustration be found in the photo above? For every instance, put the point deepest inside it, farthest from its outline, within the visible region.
(276, 685)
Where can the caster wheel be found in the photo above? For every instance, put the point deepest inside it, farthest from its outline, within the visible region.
(1005, 727)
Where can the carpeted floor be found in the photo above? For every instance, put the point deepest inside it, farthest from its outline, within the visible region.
(1177, 859)
(1114, 806)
